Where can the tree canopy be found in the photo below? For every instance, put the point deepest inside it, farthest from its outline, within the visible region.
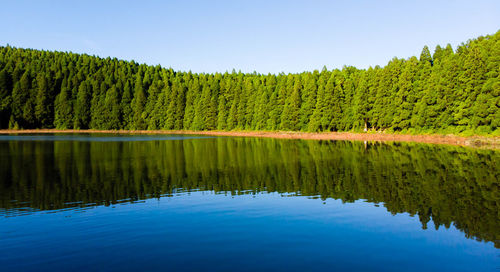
(449, 91)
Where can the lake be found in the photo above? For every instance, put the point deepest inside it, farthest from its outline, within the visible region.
(190, 203)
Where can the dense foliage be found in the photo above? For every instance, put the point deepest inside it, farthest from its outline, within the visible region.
(450, 91)
(405, 178)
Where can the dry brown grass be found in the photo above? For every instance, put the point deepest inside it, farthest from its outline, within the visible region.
(473, 141)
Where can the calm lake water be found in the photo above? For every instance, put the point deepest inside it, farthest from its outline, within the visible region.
(193, 203)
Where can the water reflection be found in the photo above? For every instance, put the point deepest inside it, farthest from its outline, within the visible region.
(450, 185)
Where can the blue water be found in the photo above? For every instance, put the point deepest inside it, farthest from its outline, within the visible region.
(206, 218)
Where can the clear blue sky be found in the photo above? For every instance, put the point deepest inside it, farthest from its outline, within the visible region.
(262, 36)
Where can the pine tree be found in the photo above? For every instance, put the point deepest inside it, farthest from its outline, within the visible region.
(320, 106)
(309, 99)
(222, 114)
(361, 103)
(208, 109)
(5, 84)
(112, 105)
(425, 55)
(232, 119)
(160, 109)
(43, 107)
(97, 105)
(422, 80)
(335, 102)
(405, 97)
(63, 109)
(152, 119)
(291, 110)
(261, 113)
(126, 108)
(191, 95)
(5, 98)
(272, 122)
(179, 98)
(138, 104)
(242, 103)
(82, 106)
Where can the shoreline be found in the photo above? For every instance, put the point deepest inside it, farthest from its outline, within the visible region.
(471, 141)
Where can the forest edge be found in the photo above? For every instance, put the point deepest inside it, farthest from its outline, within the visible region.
(491, 142)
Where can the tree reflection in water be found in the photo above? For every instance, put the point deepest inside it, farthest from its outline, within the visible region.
(450, 185)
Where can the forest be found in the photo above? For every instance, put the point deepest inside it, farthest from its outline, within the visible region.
(449, 91)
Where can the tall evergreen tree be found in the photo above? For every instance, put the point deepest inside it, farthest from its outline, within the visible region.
(138, 104)
(126, 107)
(5, 98)
(63, 109)
(82, 106)
(43, 103)
(112, 105)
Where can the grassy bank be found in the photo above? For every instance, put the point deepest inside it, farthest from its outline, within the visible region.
(473, 141)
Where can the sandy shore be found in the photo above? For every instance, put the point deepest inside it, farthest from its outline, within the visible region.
(475, 141)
